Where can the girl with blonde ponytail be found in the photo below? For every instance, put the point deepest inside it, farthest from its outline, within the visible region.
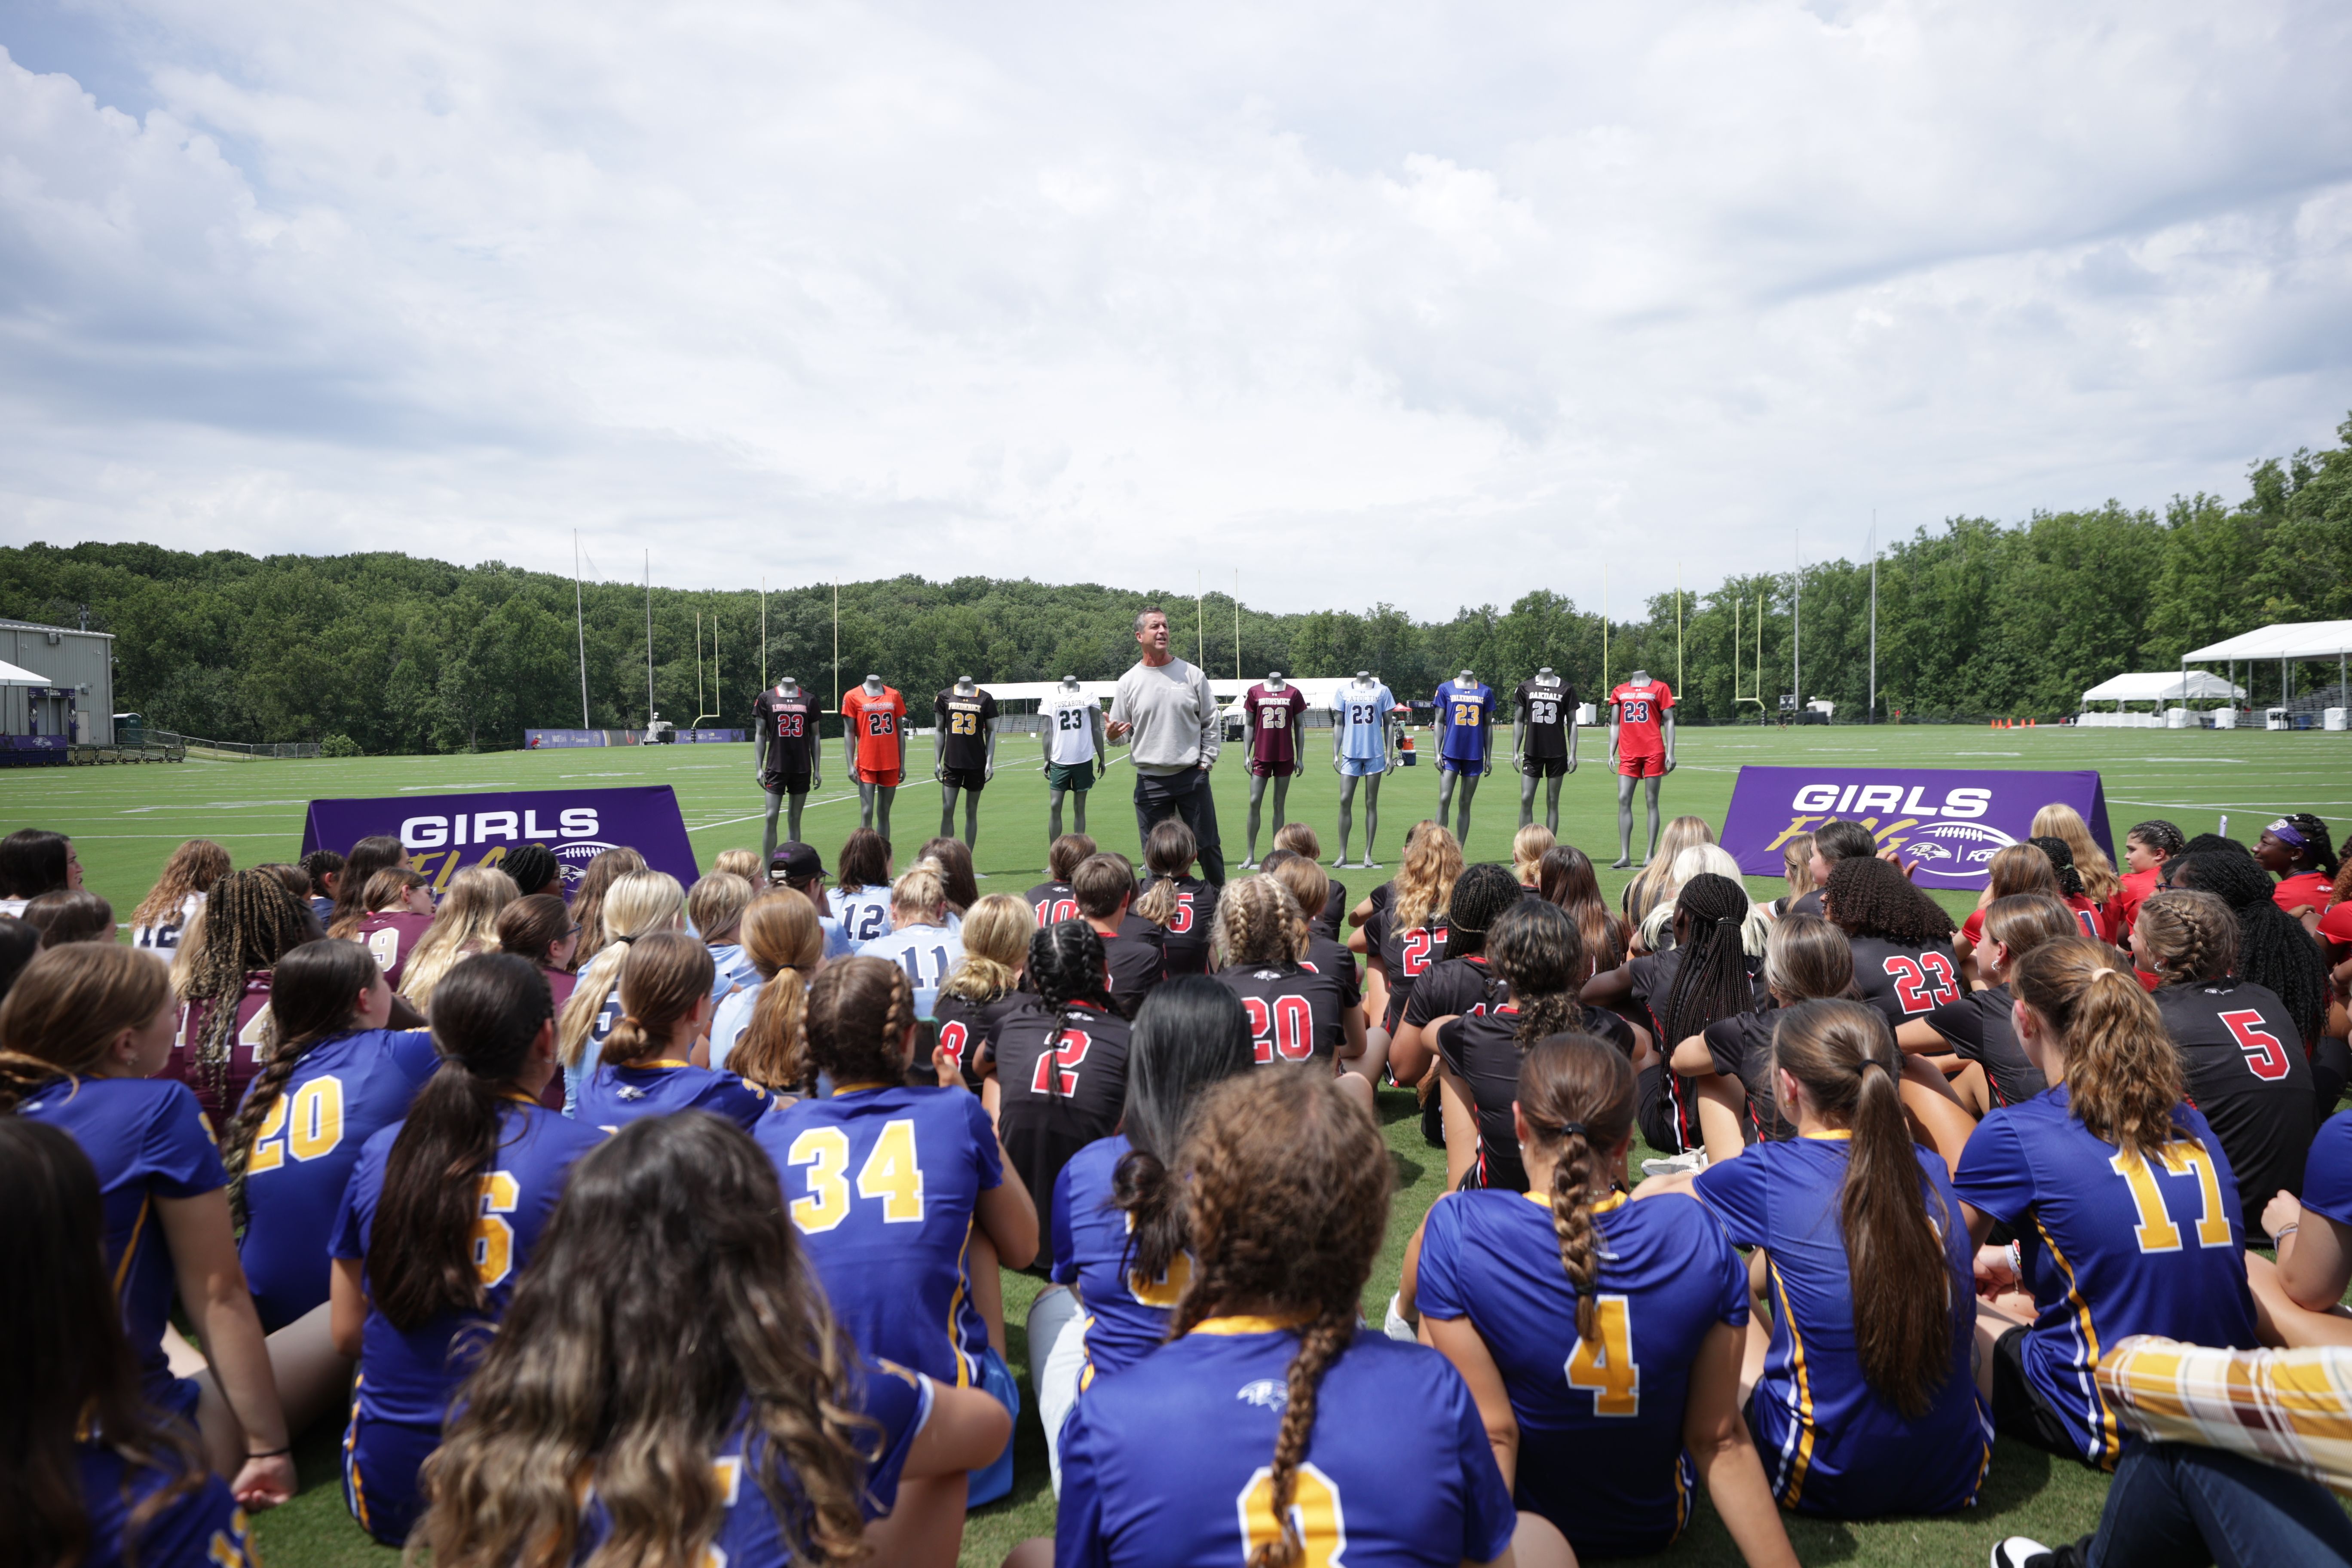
(637, 903)
(1865, 1404)
(983, 989)
(1500, 1285)
(757, 1031)
(467, 922)
(2122, 1201)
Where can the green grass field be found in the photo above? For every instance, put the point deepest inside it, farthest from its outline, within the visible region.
(125, 820)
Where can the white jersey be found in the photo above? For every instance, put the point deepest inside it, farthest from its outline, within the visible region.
(1074, 729)
(863, 915)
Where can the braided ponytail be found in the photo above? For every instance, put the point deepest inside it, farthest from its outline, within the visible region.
(1537, 951)
(313, 994)
(1575, 1093)
(250, 922)
(858, 1011)
(1711, 980)
(2188, 936)
(2316, 843)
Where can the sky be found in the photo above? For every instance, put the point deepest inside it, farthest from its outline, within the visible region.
(1430, 304)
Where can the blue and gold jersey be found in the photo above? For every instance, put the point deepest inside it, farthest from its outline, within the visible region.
(1830, 1443)
(1465, 715)
(2114, 1245)
(202, 1527)
(1128, 1315)
(1601, 1429)
(881, 1184)
(408, 1376)
(2327, 1173)
(1170, 1462)
(148, 1141)
(750, 1532)
(339, 1095)
(615, 1097)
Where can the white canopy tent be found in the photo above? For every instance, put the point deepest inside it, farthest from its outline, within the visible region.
(16, 675)
(2162, 686)
(2287, 643)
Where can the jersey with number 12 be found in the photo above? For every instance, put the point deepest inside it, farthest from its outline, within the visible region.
(1640, 711)
(1362, 712)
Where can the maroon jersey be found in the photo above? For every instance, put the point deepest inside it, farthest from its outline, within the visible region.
(1270, 715)
(220, 1089)
(389, 937)
(787, 727)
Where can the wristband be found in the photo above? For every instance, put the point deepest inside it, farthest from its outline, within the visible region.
(272, 1454)
(2017, 1261)
(2282, 1232)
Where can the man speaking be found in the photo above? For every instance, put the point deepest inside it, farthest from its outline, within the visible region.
(1165, 713)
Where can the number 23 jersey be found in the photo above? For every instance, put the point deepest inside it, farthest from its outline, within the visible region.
(881, 1184)
(876, 721)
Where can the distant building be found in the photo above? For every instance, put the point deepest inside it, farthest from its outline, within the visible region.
(74, 696)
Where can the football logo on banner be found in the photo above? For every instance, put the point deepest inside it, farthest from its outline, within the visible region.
(1945, 825)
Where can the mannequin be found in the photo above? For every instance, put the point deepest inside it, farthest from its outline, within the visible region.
(1543, 741)
(1275, 712)
(790, 753)
(963, 752)
(1075, 749)
(1363, 750)
(1466, 723)
(875, 716)
(1640, 746)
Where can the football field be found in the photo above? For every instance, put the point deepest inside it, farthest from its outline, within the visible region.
(125, 820)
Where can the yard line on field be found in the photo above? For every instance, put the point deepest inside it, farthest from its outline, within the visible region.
(180, 835)
(2231, 804)
(762, 817)
(455, 788)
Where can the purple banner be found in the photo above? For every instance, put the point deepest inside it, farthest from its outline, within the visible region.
(446, 833)
(1945, 822)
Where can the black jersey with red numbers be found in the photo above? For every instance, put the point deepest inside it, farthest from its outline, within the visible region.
(1052, 902)
(1977, 1027)
(1483, 1051)
(1335, 912)
(1461, 987)
(1185, 938)
(1139, 961)
(1063, 1076)
(1326, 956)
(1741, 1047)
(1405, 955)
(969, 1030)
(1294, 1012)
(788, 726)
(1904, 981)
(2243, 1059)
(1546, 712)
(963, 724)
(1653, 978)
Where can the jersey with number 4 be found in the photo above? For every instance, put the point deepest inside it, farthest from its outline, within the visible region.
(221, 1089)
(1361, 715)
(876, 722)
(1902, 981)
(1545, 711)
(1296, 1014)
(340, 1095)
(2114, 1244)
(2241, 1054)
(408, 1376)
(1170, 1462)
(1063, 1076)
(1600, 1432)
(1466, 716)
(882, 1185)
(1641, 711)
(1073, 718)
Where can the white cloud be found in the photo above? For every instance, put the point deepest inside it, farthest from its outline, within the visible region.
(1334, 297)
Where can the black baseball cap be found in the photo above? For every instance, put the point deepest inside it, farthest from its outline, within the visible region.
(795, 862)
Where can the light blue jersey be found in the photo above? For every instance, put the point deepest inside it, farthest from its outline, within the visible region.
(928, 953)
(1362, 718)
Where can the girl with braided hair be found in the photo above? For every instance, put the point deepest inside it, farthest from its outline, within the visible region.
(1268, 1424)
(2147, 847)
(1119, 1242)
(2071, 889)
(441, 1216)
(889, 1184)
(86, 1026)
(2275, 952)
(1862, 1321)
(2298, 851)
(1061, 1066)
(1311, 885)
(1534, 950)
(2057, 820)
(1461, 983)
(398, 912)
(674, 1388)
(2240, 1059)
(1728, 1064)
(1500, 1285)
(646, 1067)
(222, 974)
(381, 853)
(1297, 1016)
(163, 916)
(1901, 937)
(2123, 1204)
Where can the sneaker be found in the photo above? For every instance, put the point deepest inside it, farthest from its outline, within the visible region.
(1396, 1328)
(1677, 1165)
(2018, 1551)
(1432, 1123)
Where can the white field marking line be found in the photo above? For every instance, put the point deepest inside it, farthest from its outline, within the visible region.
(2231, 804)
(290, 832)
(454, 788)
(762, 816)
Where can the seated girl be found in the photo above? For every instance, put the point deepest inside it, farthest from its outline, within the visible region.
(646, 1066)
(1728, 1064)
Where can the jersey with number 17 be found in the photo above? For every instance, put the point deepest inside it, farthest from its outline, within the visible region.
(1640, 710)
(881, 1183)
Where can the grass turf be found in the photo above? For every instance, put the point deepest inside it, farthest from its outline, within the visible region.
(125, 820)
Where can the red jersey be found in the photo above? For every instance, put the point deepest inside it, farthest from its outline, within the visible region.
(1270, 715)
(877, 722)
(2132, 889)
(2310, 891)
(1640, 710)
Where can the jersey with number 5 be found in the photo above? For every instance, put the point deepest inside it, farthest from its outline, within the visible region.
(2114, 1244)
(339, 1095)
(882, 1185)
(1063, 1074)
(1170, 1462)
(1902, 981)
(409, 1375)
(2241, 1053)
(1600, 1420)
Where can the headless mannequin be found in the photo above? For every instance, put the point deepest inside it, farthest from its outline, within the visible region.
(874, 800)
(1640, 677)
(1053, 794)
(1448, 780)
(964, 686)
(1544, 676)
(789, 691)
(1258, 781)
(1365, 685)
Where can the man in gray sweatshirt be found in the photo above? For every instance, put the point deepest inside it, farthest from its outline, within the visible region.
(1164, 711)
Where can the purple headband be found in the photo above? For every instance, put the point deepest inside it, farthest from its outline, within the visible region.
(2287, 830)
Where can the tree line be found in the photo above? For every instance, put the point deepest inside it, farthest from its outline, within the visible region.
(1976, 618)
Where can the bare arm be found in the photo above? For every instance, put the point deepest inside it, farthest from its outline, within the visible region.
(967, 1429)
(1461, 1111)
(218, 1300)
(1610, 988)
(1918, 1034)
(1008, 1214)
(1717, 1435)
(1458, 1342)
(1415, 1043)
(1692, 1057)
(2314, 1257)
(348, 1322)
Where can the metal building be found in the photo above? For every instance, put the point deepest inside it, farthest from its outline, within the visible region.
(62, 683)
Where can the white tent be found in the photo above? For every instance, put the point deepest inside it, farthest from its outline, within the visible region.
(2162, 686)
(15, 675)
(2286, 643)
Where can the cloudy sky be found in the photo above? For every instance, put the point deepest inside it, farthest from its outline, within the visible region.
(1429, 303)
